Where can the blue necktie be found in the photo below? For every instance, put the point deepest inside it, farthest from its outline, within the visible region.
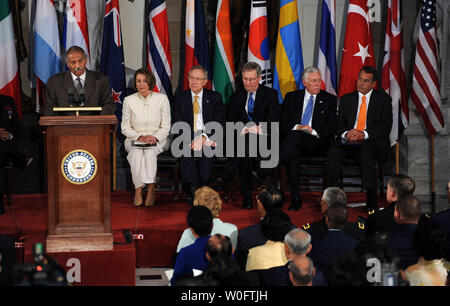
(308, 111)
(250, 106)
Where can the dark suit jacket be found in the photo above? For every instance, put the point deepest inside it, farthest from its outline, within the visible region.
(213, 109)
(443, 219)
(400, 242)
(326, 249)
(98, 93)
(324, 114)
(381, 220)
(9, 118)
(266, 107)
(319, 228)
(248, 238)
(378, 122)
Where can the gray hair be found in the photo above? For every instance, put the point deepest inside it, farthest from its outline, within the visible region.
(74, 49)
(309, 70)
(199, 67)
(297, 241)
(302, 277)
(334, 196)
(250, 66)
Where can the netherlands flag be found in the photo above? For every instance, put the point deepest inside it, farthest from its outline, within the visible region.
(327, 48)
(75, 31)
(159, 58)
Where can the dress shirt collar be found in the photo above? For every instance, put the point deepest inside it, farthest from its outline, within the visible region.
(367, 96)
(200, 96)
(82, 77)
(307, 95)
(142, 97)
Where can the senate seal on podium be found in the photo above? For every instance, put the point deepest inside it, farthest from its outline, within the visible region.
(79, 167)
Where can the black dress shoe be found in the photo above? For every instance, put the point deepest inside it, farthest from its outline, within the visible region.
(2, 210)
(296, 204)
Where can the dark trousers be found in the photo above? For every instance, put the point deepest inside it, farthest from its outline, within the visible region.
(294, 147)
(196, 171)
(365, 155)
(9, 152)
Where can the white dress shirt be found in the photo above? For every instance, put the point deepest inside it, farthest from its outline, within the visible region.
(82, 78)
(360, 95)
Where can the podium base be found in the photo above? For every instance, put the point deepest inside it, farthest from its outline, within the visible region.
(79, 242)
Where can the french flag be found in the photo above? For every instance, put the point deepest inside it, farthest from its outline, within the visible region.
(327, 48)
(75, 31)
(159, 58)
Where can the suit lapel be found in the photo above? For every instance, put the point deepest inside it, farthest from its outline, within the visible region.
(206, 106)
(371, 108)
(68, 83)
(354, 109)
(188, 108)
(318, 104)
(89, 85)
(298, 111)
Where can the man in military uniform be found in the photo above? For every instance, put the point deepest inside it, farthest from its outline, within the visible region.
(399, 185)
(333, 196)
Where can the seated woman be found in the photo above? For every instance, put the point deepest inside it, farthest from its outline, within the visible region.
(146, 119)
(206, 196)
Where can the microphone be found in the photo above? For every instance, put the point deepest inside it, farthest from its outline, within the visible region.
(82, 96)
(71, 96)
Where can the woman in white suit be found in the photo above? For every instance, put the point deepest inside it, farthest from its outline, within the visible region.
(146, 119)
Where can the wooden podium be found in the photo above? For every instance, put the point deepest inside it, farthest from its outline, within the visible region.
(78, 174)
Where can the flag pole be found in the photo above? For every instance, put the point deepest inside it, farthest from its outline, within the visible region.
(397, 168)
(433, 193)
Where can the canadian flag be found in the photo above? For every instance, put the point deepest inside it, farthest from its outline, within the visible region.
(358, 46)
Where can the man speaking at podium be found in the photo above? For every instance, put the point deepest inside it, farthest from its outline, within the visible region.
(78, 87)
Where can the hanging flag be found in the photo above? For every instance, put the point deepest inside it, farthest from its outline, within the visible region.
(159, 58)
(425, 86)
(9, 73)
(223, 78)
(327, 47)
(75, 32)
(196, 41)
(358, 46)
(112, 60)
(288, 57)
(258, 40)
(393, 74)
(46, 50)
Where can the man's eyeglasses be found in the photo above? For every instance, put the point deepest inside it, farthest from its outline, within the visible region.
(196, 79)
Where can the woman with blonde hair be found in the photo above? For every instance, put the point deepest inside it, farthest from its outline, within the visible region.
(208, 197)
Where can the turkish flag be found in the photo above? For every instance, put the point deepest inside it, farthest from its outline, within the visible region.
(358, 46)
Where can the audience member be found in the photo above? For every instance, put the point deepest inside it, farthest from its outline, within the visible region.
(334, 196)
(406, 216)
(224, 271)
(274, 227)
(443, 219)
(429, 242)
(208, 197)
(348, 270)
(218, 244)
(200, 221)
(252, 236)
(301, 271)
(335, 241)
(399, 185)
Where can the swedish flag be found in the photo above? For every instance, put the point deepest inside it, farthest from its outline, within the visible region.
(288, 56)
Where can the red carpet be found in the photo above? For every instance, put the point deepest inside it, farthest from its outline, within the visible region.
(161, 226)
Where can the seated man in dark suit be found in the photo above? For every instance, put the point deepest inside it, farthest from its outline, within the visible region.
(335, 242)
(400, 239)
(198, 106)
(363, 126)
(252, 236)
(335, 196)
(301, 271)
(308, 125)
(254, 103)
(399, 185)
(10, 131)
(78, 85)
(443, 219)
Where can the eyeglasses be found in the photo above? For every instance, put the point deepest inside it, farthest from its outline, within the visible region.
(196, 79)
(249, 80)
